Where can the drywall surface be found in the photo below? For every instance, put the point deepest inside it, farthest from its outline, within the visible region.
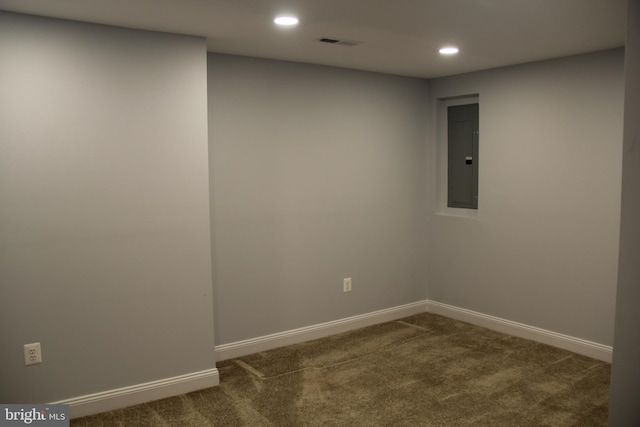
(104, 220)
(317, 174)
(625, 377)
(542, 248)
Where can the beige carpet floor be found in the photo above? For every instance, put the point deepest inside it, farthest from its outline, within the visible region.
(424, 370)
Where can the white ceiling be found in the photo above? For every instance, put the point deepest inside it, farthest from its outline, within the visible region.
(398, 36)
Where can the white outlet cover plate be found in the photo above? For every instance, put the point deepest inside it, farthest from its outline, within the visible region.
(32, 354)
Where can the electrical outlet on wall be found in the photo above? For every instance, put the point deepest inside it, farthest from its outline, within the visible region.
(346, 285)
(32, 354)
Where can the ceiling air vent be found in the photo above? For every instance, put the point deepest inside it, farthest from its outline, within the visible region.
(341, 42)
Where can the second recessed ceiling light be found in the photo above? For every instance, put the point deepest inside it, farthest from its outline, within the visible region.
(449, 50)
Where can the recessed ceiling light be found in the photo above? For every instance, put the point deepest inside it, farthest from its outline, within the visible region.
(286, 21)
(449, 50)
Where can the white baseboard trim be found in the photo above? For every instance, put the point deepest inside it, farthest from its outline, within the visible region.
(140, 393)
(576, 345)
(295, 336)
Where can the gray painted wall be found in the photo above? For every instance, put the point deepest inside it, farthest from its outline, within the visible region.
(317, 174)
(625, 378)
(104, 220)
(543, 249)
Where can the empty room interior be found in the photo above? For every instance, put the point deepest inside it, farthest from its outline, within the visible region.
(183, 183)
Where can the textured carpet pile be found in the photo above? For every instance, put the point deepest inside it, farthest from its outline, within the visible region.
(423, 370)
